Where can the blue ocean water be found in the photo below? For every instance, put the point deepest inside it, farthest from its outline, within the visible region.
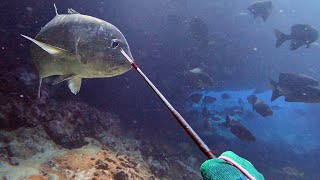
(293, 123)
(288, 138)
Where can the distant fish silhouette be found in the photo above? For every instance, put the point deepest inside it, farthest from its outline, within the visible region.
(261, 8)
(239, 130)
(209, 99)
(296, 88)
(225, 96)
(259, 106)
(196, 97)
(199, 77)
(301, 34)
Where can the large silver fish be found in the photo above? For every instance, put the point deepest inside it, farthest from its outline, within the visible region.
(76, 46)
(199, 77)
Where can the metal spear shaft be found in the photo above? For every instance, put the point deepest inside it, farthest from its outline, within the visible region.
(194, 136)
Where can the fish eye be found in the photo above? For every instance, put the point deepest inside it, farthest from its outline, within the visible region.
(115, 43)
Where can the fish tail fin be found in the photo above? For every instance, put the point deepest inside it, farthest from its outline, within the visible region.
(55, 8)
(39, 87)
(275, 90)
(265, 16)
(281, 37)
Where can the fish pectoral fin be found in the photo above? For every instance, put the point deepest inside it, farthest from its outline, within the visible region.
(295, 44)
(74, 84)
(63, 78)
(265, 17)
(39, 87)
(72, 11)
(53, 50)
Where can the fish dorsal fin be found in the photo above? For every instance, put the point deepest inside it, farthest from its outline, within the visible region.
(63, 78)
(55, 9)
(53, 50)
(74, 84)
(72, 11)
(197, 70)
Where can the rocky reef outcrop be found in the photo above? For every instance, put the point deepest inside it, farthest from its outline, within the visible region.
(45, 138)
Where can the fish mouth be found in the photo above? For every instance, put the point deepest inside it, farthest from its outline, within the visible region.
(127, 55)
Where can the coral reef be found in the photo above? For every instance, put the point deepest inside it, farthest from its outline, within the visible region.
(42, 133)
(29, 153)
(88, 162)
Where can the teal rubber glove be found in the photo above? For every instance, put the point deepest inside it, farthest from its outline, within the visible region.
(219, 169)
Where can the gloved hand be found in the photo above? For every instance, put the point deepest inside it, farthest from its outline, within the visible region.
(219, 169)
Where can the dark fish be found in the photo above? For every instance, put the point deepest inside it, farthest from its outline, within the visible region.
(199, 77)
(259, 106)
(290, 79)
(252, 99)
(225, 96)
(296, 88)
(301, 34)
(261, 8)
(239, 130)
(196, 97)
(75, 46)
(209, 100)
